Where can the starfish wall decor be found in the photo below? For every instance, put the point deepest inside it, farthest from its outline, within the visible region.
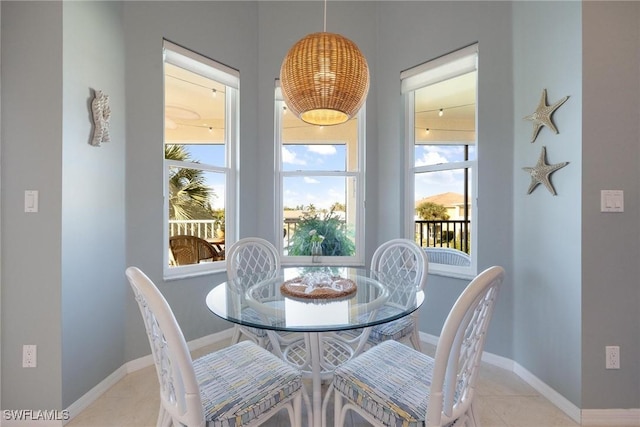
(541, 172)
(542, 115)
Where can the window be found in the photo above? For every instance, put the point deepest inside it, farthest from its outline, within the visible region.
(440, 106)
(320, 187)
(200, 138)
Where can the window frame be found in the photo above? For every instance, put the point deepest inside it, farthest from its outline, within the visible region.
(230, 78)
(437, 70)
(359, 181)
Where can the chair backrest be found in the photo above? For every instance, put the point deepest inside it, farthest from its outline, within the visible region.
(251, 255)
(448, 256)
(179, 390)
(188, 249)
(402, 258)
(460, 348)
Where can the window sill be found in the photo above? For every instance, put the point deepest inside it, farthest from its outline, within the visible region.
(189, 273)
(436, 270)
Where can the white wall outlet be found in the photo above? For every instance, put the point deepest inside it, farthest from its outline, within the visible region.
(613, 357)
(29, 356)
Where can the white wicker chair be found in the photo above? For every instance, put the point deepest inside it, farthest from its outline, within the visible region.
(402, 258)
(244, 257)
(448, 256)
(239, 385)
(392, 384)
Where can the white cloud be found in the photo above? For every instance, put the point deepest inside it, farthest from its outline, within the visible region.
(309, 180)
(326, 150)
(430, 157)
(291, 158)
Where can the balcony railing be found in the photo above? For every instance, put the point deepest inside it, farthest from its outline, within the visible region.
(434, 233)
(445, 234)
(205, 229)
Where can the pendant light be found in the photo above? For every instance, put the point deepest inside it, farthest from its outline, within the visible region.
(324, 78)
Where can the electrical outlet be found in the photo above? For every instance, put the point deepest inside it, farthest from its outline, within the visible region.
(613, 357)
(29, 356)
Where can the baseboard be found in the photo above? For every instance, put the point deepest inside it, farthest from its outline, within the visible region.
(588, 417)
(611, 417)
(88, 398)
(549, 393)
(134, 365)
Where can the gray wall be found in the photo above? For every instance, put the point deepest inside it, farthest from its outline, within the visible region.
(610, 242)
(94, 292)
(553, 291)
(410, 35)
(383, 32)
(31, 160)
(226, 32)
(547, 229)
(62, 275)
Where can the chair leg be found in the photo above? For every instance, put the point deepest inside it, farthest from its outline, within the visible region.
(164, 419)
(338, 415)
(474, 419)
(235, 338)
(262, 342)
(297, 410)
(415, 339)
(307, 402)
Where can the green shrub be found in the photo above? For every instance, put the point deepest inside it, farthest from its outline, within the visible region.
(335, 242)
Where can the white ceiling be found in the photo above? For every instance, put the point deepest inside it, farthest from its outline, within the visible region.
(194, 109)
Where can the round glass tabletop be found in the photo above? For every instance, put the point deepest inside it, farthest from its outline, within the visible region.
(314, 299)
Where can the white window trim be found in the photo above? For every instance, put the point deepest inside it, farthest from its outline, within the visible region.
(187, 59)
(359, 174)
(466, 60)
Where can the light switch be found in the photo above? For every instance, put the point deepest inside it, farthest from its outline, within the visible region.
(611, 201)
(31, 201)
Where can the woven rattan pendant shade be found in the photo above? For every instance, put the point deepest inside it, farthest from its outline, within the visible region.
(324, 79)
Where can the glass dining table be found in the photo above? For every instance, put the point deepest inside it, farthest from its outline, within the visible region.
(316, 317)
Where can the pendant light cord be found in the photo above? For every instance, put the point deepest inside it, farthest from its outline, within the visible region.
(325, 16)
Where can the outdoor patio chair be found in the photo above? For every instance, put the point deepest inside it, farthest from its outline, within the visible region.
(238, 385)
(187, 249)
(448, 256)
(395, 385)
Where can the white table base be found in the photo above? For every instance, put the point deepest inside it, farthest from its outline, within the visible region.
(326, 351)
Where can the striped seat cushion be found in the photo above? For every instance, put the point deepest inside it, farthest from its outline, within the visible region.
(242, 382)
(390, 381)
(394, 330)
(250, 315)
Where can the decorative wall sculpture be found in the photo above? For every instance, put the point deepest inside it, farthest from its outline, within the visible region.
(542, 115)
(101, 113)
(541, 172)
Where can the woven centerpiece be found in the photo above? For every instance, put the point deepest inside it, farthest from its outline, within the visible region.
(318, 286)
(324, 79)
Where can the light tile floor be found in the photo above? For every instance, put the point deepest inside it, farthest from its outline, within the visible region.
(503, 400)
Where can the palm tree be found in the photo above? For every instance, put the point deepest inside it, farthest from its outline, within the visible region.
(432, 211)
(189, 196)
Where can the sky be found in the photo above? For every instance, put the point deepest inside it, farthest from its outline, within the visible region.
(431, 183)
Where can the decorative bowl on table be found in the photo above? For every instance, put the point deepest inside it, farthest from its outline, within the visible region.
(318, 286)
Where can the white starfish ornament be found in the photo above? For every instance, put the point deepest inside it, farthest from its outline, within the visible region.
(542, 115)
(541, 172)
